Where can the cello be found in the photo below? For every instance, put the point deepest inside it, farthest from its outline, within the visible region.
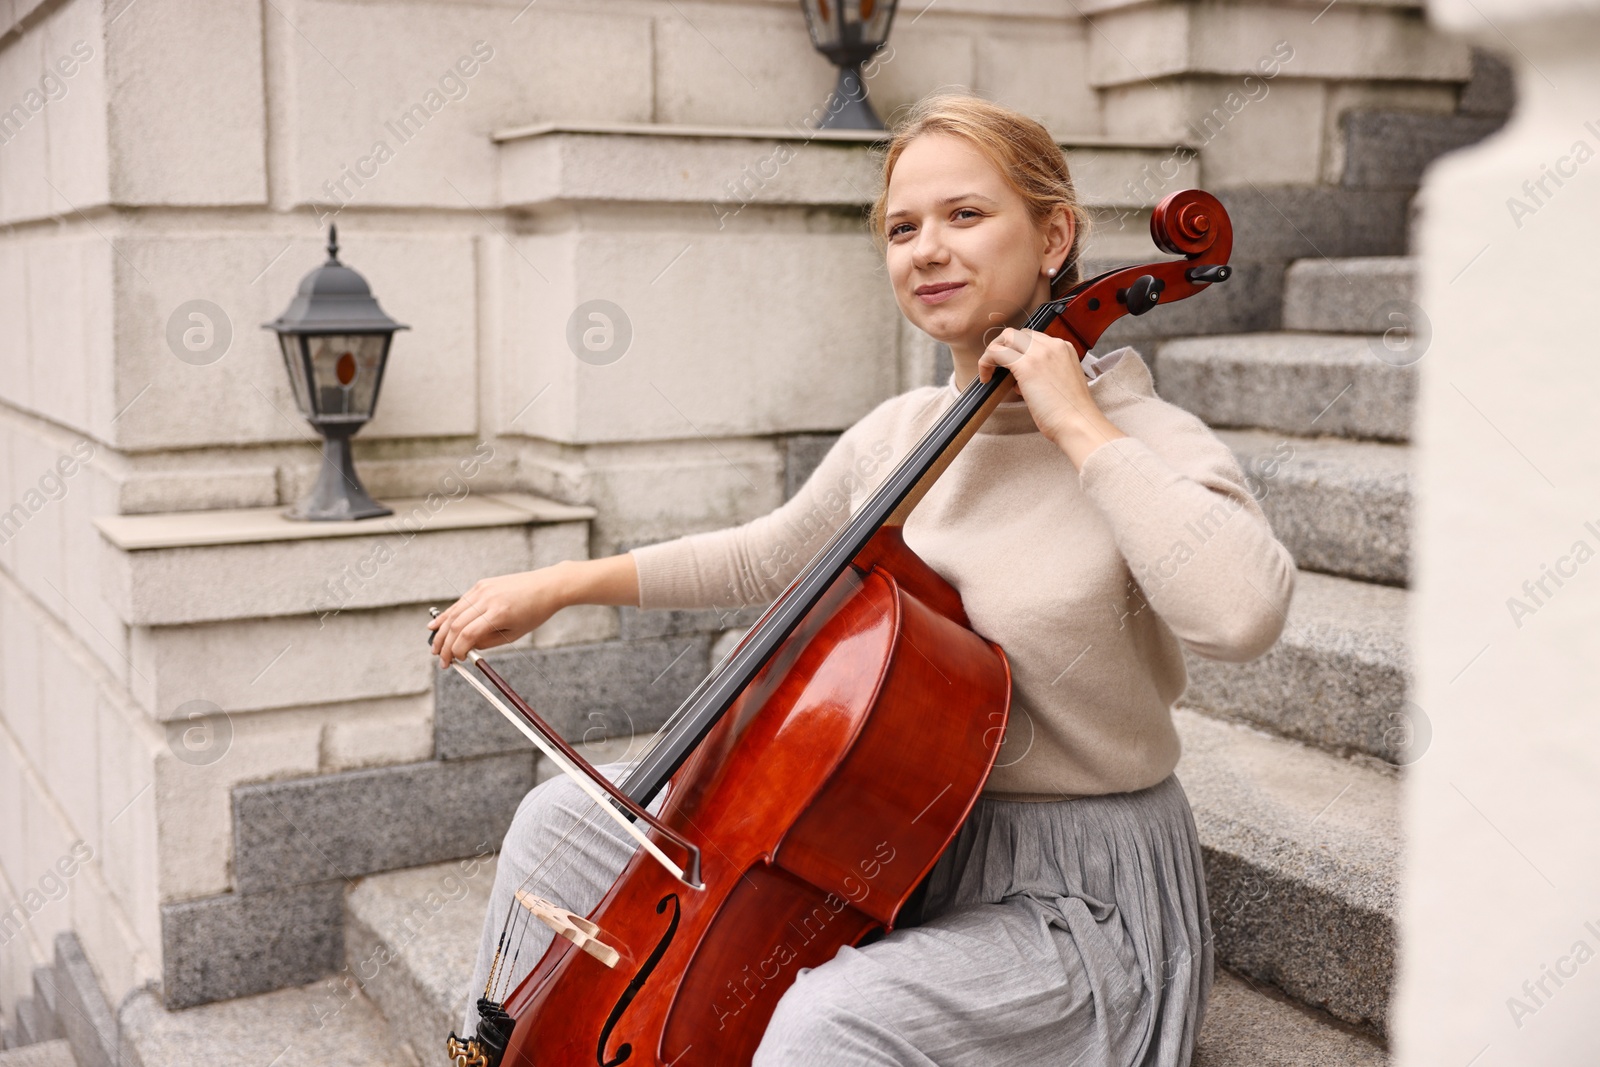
(811, 780)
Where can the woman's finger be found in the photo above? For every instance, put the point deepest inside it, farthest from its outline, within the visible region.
(485, 631)
(1002, 352)
(450, 649)
(441, 624)
(465, 600)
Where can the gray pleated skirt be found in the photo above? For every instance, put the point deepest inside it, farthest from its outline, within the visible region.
(1070, 932)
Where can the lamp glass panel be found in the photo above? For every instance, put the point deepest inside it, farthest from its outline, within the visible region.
(822, 18)
(294, 360)
(873, 18)
(346, 366)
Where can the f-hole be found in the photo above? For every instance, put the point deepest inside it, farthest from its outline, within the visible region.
(626, 1049)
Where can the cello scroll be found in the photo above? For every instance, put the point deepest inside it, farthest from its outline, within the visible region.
(1188, 223)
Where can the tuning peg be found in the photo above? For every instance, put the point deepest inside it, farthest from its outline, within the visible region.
(1216, 272)
(1142, 295)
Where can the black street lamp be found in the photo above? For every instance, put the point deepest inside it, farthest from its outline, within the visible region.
(848, 32)
(335, 340)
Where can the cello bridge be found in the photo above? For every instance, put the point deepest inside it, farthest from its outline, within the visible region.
(570, 925)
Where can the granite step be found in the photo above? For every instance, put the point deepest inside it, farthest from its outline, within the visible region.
(1341, 507)
(35, 1022)
(326, 1022)
(57, 1053)
(1302, 859)
(1307, 384)
(1251, 1025)
(1337, 678)
(412, 937)
(1349, 295)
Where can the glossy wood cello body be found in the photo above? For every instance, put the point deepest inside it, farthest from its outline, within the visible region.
(820, 770)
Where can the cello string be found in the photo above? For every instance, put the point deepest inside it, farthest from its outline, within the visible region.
(518, 920)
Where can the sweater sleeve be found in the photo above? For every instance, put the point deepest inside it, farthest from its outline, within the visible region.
(1196, 540)
(753, 563)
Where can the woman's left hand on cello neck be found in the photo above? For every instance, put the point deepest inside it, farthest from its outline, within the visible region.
(1048, 374)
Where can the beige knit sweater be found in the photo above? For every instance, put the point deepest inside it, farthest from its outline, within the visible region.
(1092, 581)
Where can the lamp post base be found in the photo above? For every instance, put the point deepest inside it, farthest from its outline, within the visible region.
(338, 495)
(848, 108)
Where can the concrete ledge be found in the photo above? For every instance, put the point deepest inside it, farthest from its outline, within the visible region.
(1250, 1025)
(1371, 40)
(1348, 295)
(376, 566)
(1336, 679)
(190, 529)
(1302, 864)
(234, 945)
(1303, 384)
(342, 826)
(320, 1023)
(1341, 507)
(726, 168)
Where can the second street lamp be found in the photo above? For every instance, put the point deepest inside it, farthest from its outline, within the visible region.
(335, 341)
(849, 32)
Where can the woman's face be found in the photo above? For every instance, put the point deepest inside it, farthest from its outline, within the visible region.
(964, 257)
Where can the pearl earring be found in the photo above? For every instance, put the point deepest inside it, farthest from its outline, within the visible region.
(1051, 271)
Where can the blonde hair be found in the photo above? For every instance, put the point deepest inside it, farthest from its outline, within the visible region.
(1021, 149)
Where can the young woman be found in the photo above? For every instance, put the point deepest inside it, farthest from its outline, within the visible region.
(1094, 531)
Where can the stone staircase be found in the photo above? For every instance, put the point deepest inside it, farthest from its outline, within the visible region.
(1292, 761)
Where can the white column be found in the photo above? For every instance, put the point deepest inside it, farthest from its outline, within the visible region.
(1500, 962)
